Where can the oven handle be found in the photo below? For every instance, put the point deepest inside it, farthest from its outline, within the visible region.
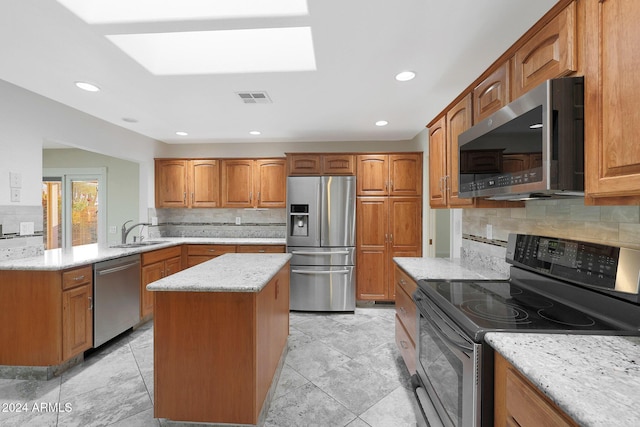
(464, 345)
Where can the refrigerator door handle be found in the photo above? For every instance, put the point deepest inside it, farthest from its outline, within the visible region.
(320, 271)
(320, 253)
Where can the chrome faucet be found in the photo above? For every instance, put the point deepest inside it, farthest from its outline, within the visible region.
(126, 231)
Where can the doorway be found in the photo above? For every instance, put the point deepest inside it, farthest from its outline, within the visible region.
(73, 207)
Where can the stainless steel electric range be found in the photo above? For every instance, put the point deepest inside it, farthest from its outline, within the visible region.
(555, 286)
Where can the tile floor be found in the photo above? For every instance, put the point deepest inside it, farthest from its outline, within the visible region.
(341, 370)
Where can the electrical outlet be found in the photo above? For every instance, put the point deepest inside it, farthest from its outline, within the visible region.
(113, 229)
(238, 220)
(154, 220)
(26, 228)
(489, 232)
(15, 194)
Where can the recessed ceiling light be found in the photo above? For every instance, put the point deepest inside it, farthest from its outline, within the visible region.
(255, 50)
(129, 120)
(122, 11)
(181, 133)
(255, 132)
(382, 123)
(88, 87)
(405, 76)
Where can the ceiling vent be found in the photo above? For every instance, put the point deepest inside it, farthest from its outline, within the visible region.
(254, 97)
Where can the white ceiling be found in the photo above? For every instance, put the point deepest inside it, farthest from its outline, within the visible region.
(359, 45)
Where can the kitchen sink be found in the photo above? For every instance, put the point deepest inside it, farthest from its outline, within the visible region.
(139, 244)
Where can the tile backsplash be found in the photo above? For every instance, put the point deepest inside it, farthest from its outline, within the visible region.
(612, 225)
(14, 246)
(268, 223)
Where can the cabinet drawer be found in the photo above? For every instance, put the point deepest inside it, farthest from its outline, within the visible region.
(269, 249)
(161, 254)
(406, 346)
(406, 311)
(77, 277)
(210, 250)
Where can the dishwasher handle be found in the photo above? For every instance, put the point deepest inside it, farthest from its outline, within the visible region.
(116, 269)
(320, 271)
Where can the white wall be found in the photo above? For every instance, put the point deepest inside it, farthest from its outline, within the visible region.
(29, 119)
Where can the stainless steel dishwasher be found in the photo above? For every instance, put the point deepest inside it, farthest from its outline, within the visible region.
(116, 296)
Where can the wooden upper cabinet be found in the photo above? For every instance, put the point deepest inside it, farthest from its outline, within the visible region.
(270, 183)
(398, 174)
(549, 53)
(171, 183)
(183, 183)
(458, 120)
(491, 94)
(249, 183)
(438, 164)
(205, 183)
(612, 90)
(321, 164)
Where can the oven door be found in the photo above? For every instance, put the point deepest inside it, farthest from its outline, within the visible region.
(448, 368)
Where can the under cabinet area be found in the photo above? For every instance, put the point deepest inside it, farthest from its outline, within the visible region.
(517, 402)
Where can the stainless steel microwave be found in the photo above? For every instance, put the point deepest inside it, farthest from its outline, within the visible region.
(531, 148)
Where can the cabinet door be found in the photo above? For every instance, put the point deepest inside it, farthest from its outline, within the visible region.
(270, 187)
(205, 183)
(458, 120)
(550, 53)
(338, 164)
(371, 248)
(237, 183)
(612, 91)
(171, 183)
(150, 273)
(372, 175)
(304, 164)
(269, 249)
(405, 174)
(438, 164)
(405, 231)
(491, 94)
(77, 320)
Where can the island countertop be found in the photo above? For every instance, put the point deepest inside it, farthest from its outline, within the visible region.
(593, 379)
(246, 272)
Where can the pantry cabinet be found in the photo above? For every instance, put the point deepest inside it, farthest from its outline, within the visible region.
(517, 402)
(155, 266)
(251, 183)
(549, 53)
(612, 90)
(397, 174)
(386, 227)
(183, 183)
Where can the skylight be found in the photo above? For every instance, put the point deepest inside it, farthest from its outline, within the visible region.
(127, 11)
(217, 52)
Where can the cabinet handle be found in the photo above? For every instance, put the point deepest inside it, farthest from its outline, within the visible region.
(446, 183)
(193, 197)
(258, 196)
(78, 278)
(212, 250)
(250, 196)
(402, 282)
(391, 238)
(404, 345)
(403, 311)
(184, 199)
(386, 237)
(391, 184)
(90, 303)
(261, 251)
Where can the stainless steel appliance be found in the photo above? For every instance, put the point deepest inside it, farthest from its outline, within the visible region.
(556, 286)
(116, 296)
(321, 225)
(533, 147)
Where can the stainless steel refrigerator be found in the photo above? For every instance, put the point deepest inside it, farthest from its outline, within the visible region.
(321, 226)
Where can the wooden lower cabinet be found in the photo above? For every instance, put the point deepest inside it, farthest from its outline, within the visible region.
(268, 249)
(406, 320)
(50, 313)
(216, 353)
(155, 266)
(387, 227)
(197, 254)
(517, 402)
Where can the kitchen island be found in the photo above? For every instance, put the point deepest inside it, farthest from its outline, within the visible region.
(220, 338)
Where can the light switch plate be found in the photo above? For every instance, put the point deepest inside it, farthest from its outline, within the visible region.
(238, 220)
(26, 228)
(113, 229)
(15, 179)
(489, 232)
(15, 194)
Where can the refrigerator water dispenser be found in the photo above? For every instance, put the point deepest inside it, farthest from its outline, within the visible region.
(299, 220)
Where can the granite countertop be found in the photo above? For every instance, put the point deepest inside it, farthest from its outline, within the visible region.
(445, 269)
(58, 259)
(593, 379)
(227, 273)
